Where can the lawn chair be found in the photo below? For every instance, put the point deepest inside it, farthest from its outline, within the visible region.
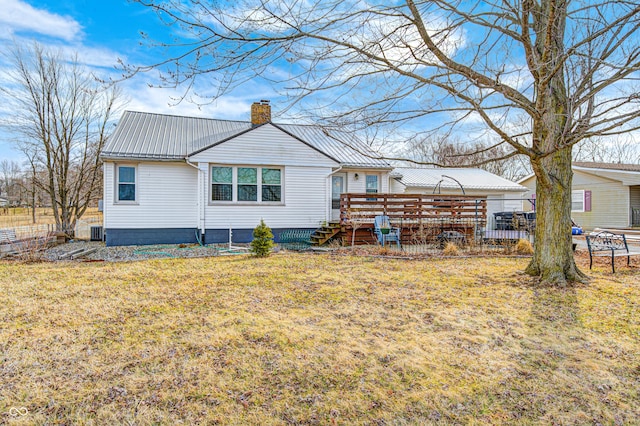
(385, 232)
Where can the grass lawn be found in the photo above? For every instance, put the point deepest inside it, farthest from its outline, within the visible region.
(315, 339)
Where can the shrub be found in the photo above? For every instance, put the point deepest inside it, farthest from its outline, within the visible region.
(262, 240)
(524, 247)
(450, 249)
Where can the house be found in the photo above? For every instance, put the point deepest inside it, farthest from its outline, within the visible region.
(502, 194)
(602, 194)
(173, 179)
(4, 202)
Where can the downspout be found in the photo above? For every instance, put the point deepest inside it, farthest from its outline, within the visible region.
(201, 216)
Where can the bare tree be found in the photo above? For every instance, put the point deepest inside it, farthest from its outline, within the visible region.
(450, 153)
(60, 119)
(539, 76)
(10, 181)
(622, 150)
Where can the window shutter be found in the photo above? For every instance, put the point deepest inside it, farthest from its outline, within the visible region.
(587, 201)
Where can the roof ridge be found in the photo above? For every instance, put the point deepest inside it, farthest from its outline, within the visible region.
(164, 114)
(235, 121)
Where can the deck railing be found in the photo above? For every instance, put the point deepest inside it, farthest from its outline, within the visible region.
(413, 207)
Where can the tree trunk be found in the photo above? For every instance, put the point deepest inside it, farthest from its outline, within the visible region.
(553, 258)
(33, 207)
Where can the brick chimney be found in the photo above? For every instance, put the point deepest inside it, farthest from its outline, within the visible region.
(260, 112)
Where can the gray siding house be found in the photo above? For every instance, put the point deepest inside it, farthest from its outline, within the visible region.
(603, 195)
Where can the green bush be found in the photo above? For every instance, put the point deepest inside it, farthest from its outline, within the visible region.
(262, 240)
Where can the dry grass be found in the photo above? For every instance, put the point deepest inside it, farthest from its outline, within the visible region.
(523, 247)
(450, 249)
(19, 216)
(307, 339)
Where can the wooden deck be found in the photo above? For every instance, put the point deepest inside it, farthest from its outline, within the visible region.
(421, 217)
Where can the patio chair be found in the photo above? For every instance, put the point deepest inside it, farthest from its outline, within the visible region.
(385, 232)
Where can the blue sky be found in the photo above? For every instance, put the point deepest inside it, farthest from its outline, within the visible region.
(101, 31)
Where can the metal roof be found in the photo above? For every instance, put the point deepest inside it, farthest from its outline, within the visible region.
(159, 136)
(344, 147)
(468, 178)
(142, 135)
(608, 166)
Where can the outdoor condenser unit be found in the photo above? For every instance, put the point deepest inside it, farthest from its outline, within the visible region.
(96, 233)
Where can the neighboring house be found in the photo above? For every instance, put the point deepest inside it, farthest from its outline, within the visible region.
(4, 202)
(603, 195)
(502, 194)
(171, 179)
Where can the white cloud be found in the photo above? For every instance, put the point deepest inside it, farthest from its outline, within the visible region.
(18, 16)
(91, 56)
(163, 101)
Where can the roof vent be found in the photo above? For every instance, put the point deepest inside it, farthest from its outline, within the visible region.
(260, 112)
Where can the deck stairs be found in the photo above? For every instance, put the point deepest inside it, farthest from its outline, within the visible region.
(326, 232)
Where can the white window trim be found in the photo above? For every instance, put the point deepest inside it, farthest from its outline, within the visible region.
(234, 186)
(116, 178)
(583, 200)
(378, 182)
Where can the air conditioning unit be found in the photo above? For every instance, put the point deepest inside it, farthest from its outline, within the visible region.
(96, 233)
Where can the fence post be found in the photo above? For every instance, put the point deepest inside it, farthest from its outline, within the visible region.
(475, 223)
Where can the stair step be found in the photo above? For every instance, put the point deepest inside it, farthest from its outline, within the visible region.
(325, 233)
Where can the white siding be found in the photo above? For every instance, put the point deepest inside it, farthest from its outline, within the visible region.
(359, 185)
(495, 204)
(305, 204)
(265, 145)
(396, 187)
(514, 202)
(305, 181)
(167, 197)
(168, 192)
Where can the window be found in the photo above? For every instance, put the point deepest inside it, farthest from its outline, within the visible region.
(126, 183)
(246, 184)
(221, 183)
(271, 185)
(577, 201)
(372, 185)
(580, 200)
